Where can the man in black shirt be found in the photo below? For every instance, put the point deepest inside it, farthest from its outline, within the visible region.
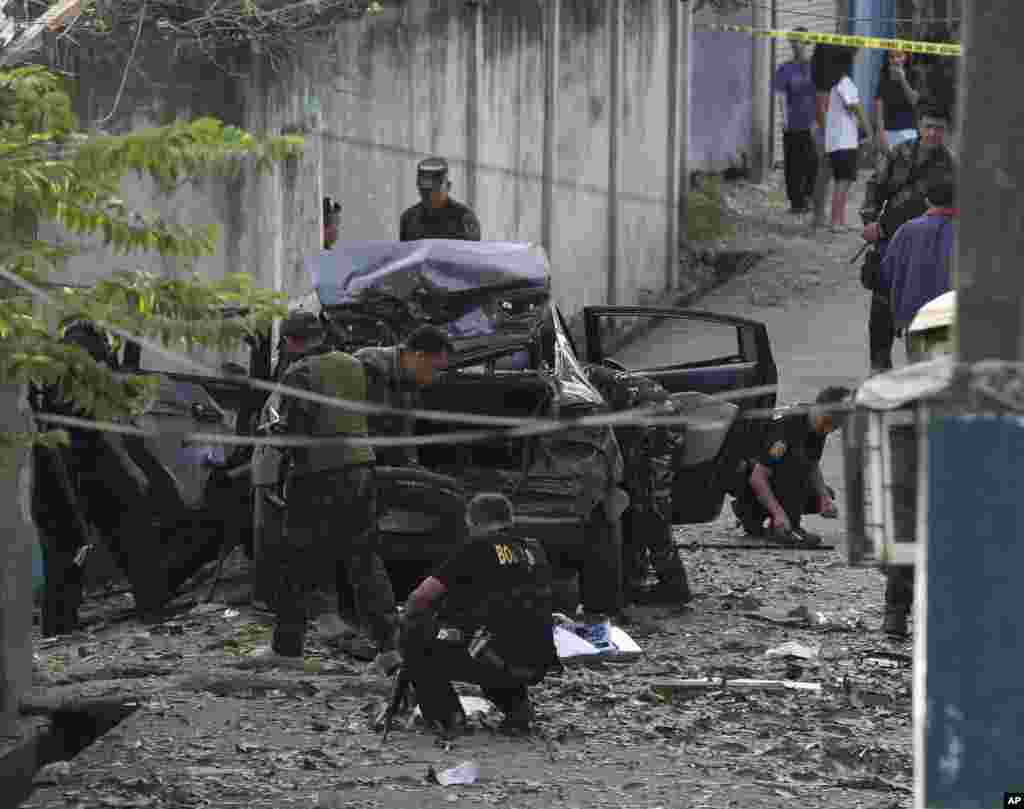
(437, 215)
(785, 482)
(495, 626)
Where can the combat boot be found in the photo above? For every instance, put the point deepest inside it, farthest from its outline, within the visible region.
(895, 623)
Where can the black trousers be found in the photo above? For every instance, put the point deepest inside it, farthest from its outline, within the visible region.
(881, 334)
(433, 664)
(899, 588)
(332, 517)
(791, 485)
(801, 166)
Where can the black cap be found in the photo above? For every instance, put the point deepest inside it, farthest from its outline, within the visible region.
(490, 510)
(431, 173)
(302, 324)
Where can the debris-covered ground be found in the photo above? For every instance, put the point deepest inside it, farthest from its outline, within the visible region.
(219, 727)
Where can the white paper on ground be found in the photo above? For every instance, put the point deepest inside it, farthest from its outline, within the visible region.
(570, 645)
(466, 773)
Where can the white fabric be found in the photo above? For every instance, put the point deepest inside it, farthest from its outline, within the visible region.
(840, 123)
(898, 136)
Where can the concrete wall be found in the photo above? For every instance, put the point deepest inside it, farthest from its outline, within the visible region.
(557, 121)
(721, 92)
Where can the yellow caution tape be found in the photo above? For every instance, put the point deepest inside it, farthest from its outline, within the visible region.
(849, 40)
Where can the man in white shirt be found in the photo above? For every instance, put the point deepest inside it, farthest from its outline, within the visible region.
(842, 138)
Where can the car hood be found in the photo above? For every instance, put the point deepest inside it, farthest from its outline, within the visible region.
(472, 289)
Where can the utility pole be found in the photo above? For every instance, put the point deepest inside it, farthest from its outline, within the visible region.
(969, 658)
(761, 88)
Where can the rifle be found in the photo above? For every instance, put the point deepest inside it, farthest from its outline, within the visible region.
(881, 213)
(399, 695)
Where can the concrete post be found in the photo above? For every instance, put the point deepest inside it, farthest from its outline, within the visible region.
(971, 653)
(675, 144)
(615, 27)
(552, 51)
(473, 89)
(19, 539)
(761, 88)
(685, 71)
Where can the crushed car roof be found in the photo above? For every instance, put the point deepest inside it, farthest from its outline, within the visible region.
(471, 288)
(341, 275)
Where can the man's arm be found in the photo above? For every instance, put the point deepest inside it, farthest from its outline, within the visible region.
(424, 597)
(297, 414)
(876, 190)
(760, 482)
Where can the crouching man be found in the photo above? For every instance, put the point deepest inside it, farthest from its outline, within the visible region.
(784, 481)
(494, 627)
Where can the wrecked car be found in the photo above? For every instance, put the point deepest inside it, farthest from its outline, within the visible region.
(515, 356)
(152, 508)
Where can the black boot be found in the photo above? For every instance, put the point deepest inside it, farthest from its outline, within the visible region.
(899, 596)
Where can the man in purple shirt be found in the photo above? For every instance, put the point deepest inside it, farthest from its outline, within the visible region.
(794, 84)
(916, 269)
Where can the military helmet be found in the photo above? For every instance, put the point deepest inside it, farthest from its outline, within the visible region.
(432, 173)
(302, 324)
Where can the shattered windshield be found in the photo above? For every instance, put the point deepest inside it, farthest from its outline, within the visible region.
(567, 368)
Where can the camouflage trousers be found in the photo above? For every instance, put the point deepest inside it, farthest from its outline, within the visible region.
(332, 519)
(647, 523)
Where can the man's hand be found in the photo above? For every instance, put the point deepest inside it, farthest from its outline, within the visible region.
(827, 507)
(781, 523)
(872, 232)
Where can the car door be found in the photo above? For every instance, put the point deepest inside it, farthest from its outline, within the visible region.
(692, 353)
(684, 350)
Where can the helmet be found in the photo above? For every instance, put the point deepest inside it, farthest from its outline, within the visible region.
(87, 335)
(302, 324)
(930, 333)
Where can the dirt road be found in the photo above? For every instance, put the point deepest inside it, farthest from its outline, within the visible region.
(213, 731)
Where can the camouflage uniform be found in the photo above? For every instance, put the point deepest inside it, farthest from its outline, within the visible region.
(898, 184)
(453, 221)
(388, 386)
(332, 514)
(651, 457)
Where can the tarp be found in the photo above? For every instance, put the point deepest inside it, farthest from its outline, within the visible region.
(402, 269)
(463, 286)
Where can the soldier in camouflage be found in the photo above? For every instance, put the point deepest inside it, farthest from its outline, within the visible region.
(332, 514)
(395, 374)
(896, 194)
(437, 215)
(651, 456)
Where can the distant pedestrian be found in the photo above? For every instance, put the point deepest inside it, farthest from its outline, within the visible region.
(845, 114)
(896, 102)
(916, 268)
(437, 215)
(795, 88)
